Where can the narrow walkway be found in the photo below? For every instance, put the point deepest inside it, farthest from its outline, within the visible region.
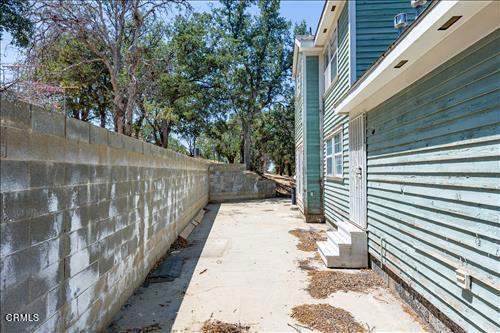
(242, 267)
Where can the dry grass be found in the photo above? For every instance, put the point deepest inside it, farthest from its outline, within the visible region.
(308, 238)
(216, 326)
(324, 283)
(326, 318)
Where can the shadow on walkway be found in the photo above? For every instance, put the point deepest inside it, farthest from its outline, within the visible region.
(155, 305)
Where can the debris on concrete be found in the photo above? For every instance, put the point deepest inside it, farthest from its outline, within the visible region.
(306, 265)
(326, 318)
(217, 326)
(154, 328)
(203, 271)
(324, 283)
(308, 238)
(179, 244)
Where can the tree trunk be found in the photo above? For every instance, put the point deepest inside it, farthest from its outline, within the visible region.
(102, 116)
(289, 169)
(247, 143)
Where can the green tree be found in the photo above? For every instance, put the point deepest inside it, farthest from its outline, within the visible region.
(64, 63)
(256, 50)
(114, 30)
(14, 20)
(182, 87)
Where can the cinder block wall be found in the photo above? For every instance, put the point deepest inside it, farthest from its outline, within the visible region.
(231, 182)
(85, 213)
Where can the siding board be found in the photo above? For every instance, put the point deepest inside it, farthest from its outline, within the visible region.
(433, 184)
(336, 192)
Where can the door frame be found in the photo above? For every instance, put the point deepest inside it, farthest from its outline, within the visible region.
(357, 171)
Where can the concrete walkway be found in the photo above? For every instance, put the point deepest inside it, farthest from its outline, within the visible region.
(242, 268)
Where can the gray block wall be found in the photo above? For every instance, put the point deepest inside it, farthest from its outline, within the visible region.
(85, 213)
(231, 182)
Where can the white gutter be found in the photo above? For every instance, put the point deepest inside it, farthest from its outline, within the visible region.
(425, 48)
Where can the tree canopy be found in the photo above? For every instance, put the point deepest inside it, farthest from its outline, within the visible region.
(215, 82)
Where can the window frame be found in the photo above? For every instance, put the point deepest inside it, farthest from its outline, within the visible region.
(329, 54)
(334, 156)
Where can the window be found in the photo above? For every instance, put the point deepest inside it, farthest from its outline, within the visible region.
(330, 59)
(334, 163)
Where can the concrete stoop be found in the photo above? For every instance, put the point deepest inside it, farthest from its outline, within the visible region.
(345, 248)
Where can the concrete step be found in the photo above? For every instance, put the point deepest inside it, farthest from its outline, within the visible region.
(346, 247)
(338, 238)
(328, 252)
(349, 230)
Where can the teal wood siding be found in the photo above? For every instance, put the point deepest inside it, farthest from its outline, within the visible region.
(336, 192)
(298, 103)
(375, 29)
(433, 185)
(312, 138)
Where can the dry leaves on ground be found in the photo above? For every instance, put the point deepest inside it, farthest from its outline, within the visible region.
(154, 328)
(326, 318)
(308, 238)
(217, 326)
(178, 244)
(324, 283)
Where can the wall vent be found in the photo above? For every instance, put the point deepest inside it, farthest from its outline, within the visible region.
(450, 22)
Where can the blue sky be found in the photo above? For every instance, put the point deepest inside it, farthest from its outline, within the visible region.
(293, 10)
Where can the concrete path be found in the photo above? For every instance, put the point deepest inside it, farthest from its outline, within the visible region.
(242, 267)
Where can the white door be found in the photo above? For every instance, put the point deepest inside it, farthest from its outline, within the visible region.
(357, 171)
(299, 174)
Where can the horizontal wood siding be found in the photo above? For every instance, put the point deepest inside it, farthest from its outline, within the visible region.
(336, 192)
(312, 138)
(434, 186)
(375, 29)
(299, 101)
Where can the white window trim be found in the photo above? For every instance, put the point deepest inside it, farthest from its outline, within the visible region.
(329, 81)
(334, 155)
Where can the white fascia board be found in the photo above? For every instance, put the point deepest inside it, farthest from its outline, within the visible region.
(328, 20)
(425, 48)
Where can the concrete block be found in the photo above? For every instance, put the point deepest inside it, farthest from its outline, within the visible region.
(105, 264)
(17, 144)
(46, 280)
(24, 204)
(15, 297)
(58, 149)
(3, 142)
(132, 144)
(47, 122)
(14, 113)
(46, 227)
(14, 237)
(77, 130)
(83, 280)
(14, 175)
(115, 140)
(98, 135)
(76, 174)
(20, 265)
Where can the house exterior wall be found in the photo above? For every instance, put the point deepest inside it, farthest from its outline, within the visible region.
(433, 194)
(336, 191)
(312, 161)
(299, 119)
(375, 29)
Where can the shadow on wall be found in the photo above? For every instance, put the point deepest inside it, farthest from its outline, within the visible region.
(155, 304)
